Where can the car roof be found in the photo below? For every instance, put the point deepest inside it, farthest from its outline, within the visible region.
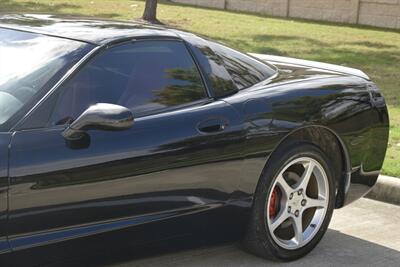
(90, 30)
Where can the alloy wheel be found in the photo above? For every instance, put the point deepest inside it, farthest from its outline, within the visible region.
(297, 203)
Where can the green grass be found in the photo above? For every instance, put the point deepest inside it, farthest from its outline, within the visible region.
(392, 161)
(376, 51)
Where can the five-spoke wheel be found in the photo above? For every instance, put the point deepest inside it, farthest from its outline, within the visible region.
(296, 213)
(293, 203)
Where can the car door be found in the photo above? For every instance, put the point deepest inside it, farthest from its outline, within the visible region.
(181, 156)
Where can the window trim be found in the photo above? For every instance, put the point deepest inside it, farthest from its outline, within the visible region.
(249, 56)
(209, 89)
(19, 126)
(196, 103)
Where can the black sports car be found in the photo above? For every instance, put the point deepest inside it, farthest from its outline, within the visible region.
(148, 133)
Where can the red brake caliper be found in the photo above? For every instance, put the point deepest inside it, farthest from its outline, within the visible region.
(274, 203)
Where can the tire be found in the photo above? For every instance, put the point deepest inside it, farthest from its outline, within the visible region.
(272, 203)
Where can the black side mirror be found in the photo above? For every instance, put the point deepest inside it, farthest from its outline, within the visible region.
(101, 116)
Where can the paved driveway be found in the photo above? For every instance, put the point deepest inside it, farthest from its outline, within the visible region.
(366, 233)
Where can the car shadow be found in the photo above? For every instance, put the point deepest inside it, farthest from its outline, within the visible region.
(336, 249)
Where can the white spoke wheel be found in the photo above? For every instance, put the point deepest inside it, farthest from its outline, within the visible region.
(293, 203)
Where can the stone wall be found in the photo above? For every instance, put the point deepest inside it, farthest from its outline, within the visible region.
(269, 7)
(329, 10)
(381, 13)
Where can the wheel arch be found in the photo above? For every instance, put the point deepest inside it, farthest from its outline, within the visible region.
(331, 144)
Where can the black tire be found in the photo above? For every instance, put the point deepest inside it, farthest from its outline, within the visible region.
(258, 239)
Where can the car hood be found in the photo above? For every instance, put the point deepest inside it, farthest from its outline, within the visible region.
(286, 63)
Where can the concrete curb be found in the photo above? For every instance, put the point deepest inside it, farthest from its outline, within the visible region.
(387, 189)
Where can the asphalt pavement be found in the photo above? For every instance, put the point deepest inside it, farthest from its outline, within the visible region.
(365, 233)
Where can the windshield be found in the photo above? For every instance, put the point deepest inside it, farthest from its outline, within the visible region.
(30, 64)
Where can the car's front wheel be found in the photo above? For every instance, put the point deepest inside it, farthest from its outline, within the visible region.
(293, 203)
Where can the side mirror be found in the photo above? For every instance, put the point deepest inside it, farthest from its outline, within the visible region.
(101, 116)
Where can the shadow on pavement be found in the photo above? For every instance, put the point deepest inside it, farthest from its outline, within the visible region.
(336, 249)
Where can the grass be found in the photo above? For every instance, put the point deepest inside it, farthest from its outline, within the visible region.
(376, 51)
(392, 161)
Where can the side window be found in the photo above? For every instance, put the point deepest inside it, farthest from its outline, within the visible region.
(245, 70)
(213, 67)
(144, 76)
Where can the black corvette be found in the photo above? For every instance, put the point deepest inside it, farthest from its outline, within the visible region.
(147, 133)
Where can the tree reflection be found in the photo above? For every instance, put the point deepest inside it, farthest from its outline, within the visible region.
(214, 68)
(244, 70)
(188, 87)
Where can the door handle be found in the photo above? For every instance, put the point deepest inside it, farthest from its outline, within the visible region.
(212, 126)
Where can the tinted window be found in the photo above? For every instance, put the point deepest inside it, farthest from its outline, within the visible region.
(145, 76)
(213, 67)
(30, 64)
(245, 70)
